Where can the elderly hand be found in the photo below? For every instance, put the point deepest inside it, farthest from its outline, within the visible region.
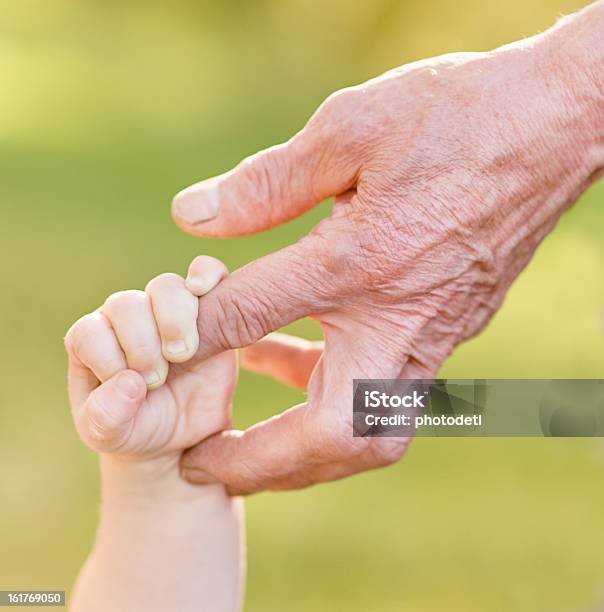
(449, 172)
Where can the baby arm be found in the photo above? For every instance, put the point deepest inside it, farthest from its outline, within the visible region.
(139, 397)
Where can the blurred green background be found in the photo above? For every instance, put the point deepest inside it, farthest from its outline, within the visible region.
(107, 109)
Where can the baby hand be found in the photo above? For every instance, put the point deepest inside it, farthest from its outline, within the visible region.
(135, 386)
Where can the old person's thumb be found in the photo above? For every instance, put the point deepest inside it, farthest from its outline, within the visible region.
(275, 185)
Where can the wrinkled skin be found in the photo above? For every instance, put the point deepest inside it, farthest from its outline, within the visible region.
(450, 172)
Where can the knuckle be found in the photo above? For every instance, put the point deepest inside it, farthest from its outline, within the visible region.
(96, 428)
(386, 451)
(340, 101)
(124, 299)
(340, 258)
(167, 279)
(143, 354)
(82, 332)
(240, 321)
(267, 176)
(69, 341)
(339, 115)
(101, 428)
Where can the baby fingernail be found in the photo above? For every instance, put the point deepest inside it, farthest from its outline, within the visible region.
(198, 203)
(175, 347)
(152, 378)
(200, 285)
(195, 476)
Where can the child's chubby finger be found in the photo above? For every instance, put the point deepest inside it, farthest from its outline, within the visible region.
(175, 310)
(91, 342)
(131, 317)
(204, 274)
(106, 418)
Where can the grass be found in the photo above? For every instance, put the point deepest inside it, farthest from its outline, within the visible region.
(104, 120)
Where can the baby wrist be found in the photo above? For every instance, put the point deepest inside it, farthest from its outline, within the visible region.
(152, 482)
